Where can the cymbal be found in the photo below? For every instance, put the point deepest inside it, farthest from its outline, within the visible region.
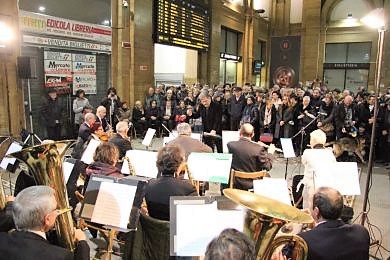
(269, 207)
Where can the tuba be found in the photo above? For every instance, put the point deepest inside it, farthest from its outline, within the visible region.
(263, 219)
(45, 165)
(4, 145)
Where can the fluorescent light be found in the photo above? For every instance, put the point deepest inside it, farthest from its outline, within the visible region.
(106, 22)
(6, 34)
(41, 8)
(375, 19)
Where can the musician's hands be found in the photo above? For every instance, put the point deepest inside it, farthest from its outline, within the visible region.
(281, 123)
(319, 124)
(343, 130)
(213, 132)
(271, 149)
(79, 235)
(300, 116)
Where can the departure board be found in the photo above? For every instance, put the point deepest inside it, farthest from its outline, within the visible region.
(184, 23)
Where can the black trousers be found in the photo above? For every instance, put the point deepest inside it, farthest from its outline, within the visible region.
(211, 141)
(54, 132)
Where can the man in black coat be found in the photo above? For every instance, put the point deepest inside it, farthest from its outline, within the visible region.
(344, 117)
(35, 211)
(248, 156)
(235, 108)
(120, 139)
(211, 114)
(85, 128)
(52, 114)
(331, 238)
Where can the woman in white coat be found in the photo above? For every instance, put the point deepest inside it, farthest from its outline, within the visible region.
(316, 157)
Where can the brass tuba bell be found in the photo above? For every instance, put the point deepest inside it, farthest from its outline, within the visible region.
(263, 219)
(45, 165)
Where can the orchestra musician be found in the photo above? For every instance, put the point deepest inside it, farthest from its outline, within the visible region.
(120, 139)
(34, 213)
(170, 163)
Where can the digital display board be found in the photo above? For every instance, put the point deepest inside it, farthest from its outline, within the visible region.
(183, 23)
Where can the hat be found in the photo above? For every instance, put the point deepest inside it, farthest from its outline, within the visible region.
(237, 89)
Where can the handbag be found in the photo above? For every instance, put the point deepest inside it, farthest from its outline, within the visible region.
(266, 138)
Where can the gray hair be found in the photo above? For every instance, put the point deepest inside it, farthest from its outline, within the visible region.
(122, 126)
(183, 129)
(317, 137)
(31, 206)
(306, 98)
(89, 116)
(204, 94)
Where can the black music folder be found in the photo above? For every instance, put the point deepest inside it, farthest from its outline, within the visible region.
(114, 202)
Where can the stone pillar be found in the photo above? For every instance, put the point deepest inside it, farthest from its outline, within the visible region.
(11, 98)
(247, 56)
(132, 68)
(311, 26)
(280, 17)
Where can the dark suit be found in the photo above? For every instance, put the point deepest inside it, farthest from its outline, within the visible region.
(159, 191)
(84, 131)
(211, 120)
(335, 240)
(190, 145)
(21, 245)
(248, 157)
(121, 143)
(103, 122)
(339, 118)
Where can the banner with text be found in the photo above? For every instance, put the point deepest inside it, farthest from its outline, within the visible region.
(49, 25)
(58, 71)
(84, 73)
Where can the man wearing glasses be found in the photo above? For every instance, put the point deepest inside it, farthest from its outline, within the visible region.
(34, 212)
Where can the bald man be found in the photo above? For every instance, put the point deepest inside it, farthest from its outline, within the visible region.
(121, 139)
(345, 117)
(248, 156)
(101, 117)
(331, 238)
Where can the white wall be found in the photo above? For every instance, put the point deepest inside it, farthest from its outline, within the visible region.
(169, 59)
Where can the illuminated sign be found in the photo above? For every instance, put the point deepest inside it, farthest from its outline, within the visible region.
(226, 56)
(184, 23)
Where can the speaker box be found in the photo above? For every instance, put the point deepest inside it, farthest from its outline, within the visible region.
(27, 67)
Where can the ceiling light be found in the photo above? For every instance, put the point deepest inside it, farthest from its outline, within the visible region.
(6, 34)
(349, 16)
(42, 8)
(106, 22)
(375, 19)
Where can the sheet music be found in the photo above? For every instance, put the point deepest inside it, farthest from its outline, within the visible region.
(287, 146)
(149, 136)
(192, 239)
(87, 157)
(228, 136)
(214, 167)
(144, 163)
(14, 147)
(113, 204)
(67, 168)
(342, 176)
(273, 188)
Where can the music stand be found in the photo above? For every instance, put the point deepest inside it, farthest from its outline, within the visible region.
(31, 135)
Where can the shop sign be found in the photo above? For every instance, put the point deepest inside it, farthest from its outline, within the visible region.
(231, 57)
(346, 65)
(50, 25)
(84, 73)
(67, 44)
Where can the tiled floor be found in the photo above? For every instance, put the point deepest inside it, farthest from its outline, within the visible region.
(379, 206)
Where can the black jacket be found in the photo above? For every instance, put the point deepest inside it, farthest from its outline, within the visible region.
(158, 192)
(51, 112)
(236, 107)
(121, 143)
(21, 245)
(334, 240)
(211, 117)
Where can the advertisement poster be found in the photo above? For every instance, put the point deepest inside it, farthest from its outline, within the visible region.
(84, 73)
(285, 61)
(58, 71)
